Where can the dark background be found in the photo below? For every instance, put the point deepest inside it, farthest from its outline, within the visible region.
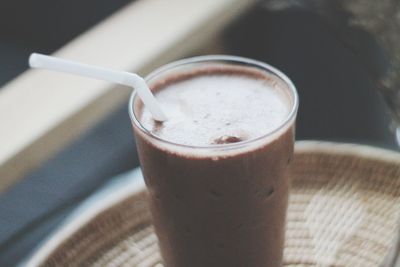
(338, 102)
(44, 26)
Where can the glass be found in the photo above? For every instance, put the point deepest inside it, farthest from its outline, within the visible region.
(218, 205)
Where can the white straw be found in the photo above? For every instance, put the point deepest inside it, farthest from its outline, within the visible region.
(120, 77)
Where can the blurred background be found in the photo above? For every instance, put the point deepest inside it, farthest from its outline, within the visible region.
(334, 66)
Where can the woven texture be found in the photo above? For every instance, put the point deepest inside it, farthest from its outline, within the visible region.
(344, 210)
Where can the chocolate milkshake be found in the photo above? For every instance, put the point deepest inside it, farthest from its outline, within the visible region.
(216, 169)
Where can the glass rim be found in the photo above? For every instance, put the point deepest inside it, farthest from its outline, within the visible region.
(219, 58)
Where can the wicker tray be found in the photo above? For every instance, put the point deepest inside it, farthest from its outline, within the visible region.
(344, 211)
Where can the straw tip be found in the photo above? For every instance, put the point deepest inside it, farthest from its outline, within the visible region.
(33, 60)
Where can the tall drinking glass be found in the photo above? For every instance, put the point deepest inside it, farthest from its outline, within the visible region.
(221, 203)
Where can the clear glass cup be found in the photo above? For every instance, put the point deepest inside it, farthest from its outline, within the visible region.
(218, 205)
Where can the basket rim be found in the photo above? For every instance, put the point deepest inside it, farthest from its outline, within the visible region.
(350, 149)
(68, 230)
(301, 147)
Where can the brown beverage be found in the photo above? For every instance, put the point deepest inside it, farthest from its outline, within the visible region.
(216, 170)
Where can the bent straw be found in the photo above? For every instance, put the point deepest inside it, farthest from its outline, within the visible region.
(120, 77)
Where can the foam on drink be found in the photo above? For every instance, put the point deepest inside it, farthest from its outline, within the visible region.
(218, 105)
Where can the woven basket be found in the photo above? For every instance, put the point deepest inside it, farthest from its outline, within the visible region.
(344, 211)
